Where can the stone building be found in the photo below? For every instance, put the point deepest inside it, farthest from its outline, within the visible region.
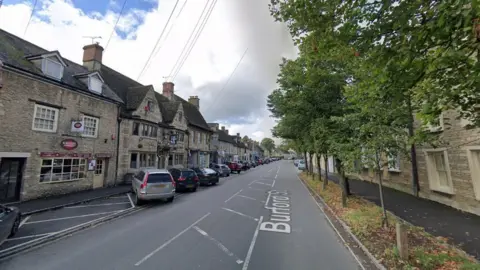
(58, 123)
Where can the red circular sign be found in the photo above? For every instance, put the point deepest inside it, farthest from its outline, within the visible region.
(77, 125)
(69, 144)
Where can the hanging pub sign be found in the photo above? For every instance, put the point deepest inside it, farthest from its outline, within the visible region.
(69, 144)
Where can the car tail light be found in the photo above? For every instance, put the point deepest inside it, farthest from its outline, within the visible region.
(182, 178)
(195, 178)
(173, 181)
(144, 184)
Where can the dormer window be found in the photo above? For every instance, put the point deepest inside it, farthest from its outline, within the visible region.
(95, 84)
(52, 68)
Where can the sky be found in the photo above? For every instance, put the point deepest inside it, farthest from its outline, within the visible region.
(234, 28)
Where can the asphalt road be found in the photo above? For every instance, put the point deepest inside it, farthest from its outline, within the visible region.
(234, 225)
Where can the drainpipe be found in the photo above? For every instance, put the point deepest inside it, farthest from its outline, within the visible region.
(119, 121)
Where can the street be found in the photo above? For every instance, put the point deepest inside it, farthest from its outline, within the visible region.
(261, 219)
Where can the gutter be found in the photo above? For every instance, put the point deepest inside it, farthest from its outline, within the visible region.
(117, 158)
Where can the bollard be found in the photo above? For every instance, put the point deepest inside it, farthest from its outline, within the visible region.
(402, 240)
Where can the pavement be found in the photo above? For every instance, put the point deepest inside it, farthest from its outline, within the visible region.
(261, 219)
(459, 227)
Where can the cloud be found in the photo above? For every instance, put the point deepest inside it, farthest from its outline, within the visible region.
(233, 27)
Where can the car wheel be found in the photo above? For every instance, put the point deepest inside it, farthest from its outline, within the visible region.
(16, 225)
(194, 190)
(169, 200)
(137, 201)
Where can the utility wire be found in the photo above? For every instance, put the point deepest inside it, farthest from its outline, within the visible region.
(167, 35)
(188, 41)
(228, 80)
(158, 40)
(205, 21)
(116, 23)
(30, 19)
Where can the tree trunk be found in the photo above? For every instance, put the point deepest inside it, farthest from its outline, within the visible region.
(306, 161)
(325, 180)
(319, 167)
(311, 164)
(343, 185)
(413, 151)
(382, 202)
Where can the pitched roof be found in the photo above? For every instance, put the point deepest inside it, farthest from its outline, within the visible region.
(193, 115)
(224, 137)
(171, 109)
(135, 96)
(13, 53)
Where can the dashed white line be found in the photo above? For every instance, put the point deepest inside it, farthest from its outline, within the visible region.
(240, 214)
(63, 218)
(23, 221)
(273, 184)
(252, 182)
(246, 197)
(94, 205)
(252, 245)
(268, 199)
(233, 195)
(261, 183)
(171, 240)
(130, 199)
(219, 245)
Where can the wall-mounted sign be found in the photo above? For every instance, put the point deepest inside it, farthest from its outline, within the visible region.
(69, 144)
(92, 164)
(77, 126)
(56, 154)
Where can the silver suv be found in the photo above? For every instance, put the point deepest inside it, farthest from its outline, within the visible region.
(153, 184)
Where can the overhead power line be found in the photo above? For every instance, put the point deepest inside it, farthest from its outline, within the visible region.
(202, 26)
(167, 35)
(228, 80)
(158, 40)
(30, 19)
(116, 23)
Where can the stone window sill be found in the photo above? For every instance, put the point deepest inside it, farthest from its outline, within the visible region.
(63, 181)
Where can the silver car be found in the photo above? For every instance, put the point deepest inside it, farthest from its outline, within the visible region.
(222, 169)
(153, 184)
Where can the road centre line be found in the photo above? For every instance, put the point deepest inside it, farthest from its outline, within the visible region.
(273, 184)
(257, 189)
(233, 195)
(28, 236)
(252, 245)
(252, 182)
(219, 245)
(240, 214)
(170, 241)
(94, 205)
(262, 183)
(130, 199)
(246, 197)
(80, 216)
(23, 221)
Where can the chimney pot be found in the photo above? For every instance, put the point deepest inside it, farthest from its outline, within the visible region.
(92, 56)
(195, 101)
(238, 134)
(223, 128)
(168, 90)
(226, 131)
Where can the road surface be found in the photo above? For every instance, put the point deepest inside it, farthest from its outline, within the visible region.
(262, 219)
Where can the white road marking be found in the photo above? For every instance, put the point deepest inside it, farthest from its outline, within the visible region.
(219, 245)
(240, 214)
(23, 221)
(94, 205)
(273, 184)
(252, 182)
(170, 241)
(28, 236)
(252, 244)
(333, 226)
(270, 170)
(257, 189)
(246, 197)
(261, 183)
(268, 199)
(130, 199)
(80, 216)
(233, 195)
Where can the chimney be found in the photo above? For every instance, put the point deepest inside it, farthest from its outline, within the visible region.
(223, 128)
(195, 101)
(238, 134)
(92, 56)
(226, 131)
(168, 90)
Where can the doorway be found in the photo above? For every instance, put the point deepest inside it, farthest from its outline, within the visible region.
(99, 175)
(11, 175)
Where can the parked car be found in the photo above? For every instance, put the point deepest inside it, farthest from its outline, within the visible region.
(235, 166)
(295, 162)
(301, 165)
(185, 179)
(260, 162)
(245, 165)
(9, 222)
(222, 169)
(153, 184)
(207, 176)
(253, 164)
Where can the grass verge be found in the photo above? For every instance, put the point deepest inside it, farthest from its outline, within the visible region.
(365, 221)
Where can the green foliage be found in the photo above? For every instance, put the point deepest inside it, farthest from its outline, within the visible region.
(268, 144)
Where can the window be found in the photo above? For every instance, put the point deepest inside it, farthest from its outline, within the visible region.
(393, 162)
(180, 159)
(90, 126)
(436, 128)
(54, 170)
(151, 106)
(45, 118)
(52, 68)
(198, 137)
(136, 128)
(473, 155)
(95, 84)
(176, 160)
(145, 130)
(438, 171)
(142, 160)
(133, 160)
(99, 167)
(180, 116)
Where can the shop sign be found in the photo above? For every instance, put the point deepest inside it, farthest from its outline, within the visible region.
(103, 155)
(57, 154)
(69, 144)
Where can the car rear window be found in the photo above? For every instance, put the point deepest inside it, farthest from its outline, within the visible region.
(159, 178)
(209, 171)
(188, 173)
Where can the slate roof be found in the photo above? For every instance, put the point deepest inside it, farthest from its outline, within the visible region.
(193, 115)
(224, 137)
(171, 108)
(135, 96)
(13, 53)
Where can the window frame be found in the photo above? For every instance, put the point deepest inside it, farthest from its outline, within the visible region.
(45, 62)
(432, 172)
(90, 85)
(52, 166)
(97, 124)
(55, 121)
(397, 160)
(473, 164)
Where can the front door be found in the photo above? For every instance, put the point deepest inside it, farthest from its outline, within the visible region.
(99, 174)
(10, 178)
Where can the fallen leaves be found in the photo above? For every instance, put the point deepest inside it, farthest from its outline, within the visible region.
(365, 220)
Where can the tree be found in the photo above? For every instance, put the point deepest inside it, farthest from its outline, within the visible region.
(245, 139)
(268, 144)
